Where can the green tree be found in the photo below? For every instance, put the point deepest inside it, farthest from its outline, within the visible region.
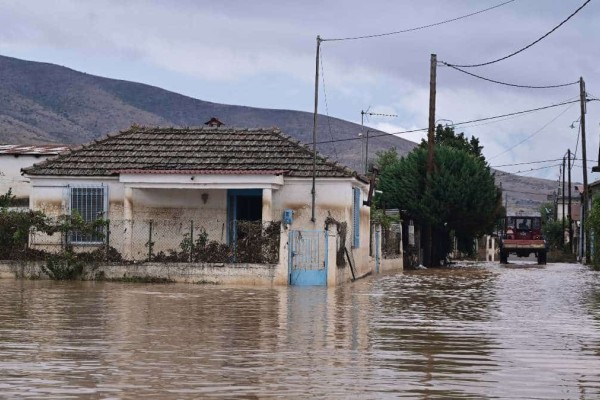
(445, 135)
(547, 212)
(7, 199)
(593, 227)
(460, 198)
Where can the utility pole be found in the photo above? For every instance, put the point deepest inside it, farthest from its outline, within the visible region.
(563, 201)
(430, 148)
(569, 209)
(313, 192)
(584, 239)
(431, 130)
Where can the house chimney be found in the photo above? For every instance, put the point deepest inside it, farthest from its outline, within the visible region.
(214, 122)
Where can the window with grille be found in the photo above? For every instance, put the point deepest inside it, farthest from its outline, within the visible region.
(90, 203)
(355, 217)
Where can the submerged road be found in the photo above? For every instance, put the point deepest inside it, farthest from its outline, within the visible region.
(486, 331)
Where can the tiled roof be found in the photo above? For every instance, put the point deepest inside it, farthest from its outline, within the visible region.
(209, 149)
(19, 149)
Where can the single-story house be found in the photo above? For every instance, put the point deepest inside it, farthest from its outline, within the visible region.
(15, 157)
(157, 185)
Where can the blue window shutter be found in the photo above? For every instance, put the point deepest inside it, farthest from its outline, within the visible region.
(356, 217)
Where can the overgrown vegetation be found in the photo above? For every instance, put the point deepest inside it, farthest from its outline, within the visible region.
(593, 232)
(254, 242)
(554, 233)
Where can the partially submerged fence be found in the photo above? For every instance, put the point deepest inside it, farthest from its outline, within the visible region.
(164, 240)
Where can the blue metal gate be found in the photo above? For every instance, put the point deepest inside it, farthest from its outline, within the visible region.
(307, 258)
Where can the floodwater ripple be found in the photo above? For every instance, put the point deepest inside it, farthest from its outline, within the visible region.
(471, 332)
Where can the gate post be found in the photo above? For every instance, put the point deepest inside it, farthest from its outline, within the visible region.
(281, 276)
(331, 239)
(377, 248)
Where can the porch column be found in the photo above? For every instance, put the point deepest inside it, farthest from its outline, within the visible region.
(267, 205)
(128, 223)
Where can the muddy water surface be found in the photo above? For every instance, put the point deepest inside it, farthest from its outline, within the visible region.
(473, 332)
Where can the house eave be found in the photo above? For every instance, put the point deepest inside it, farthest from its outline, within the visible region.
(200, 181)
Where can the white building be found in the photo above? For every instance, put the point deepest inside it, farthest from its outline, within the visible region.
(202, 181)
(13, 158)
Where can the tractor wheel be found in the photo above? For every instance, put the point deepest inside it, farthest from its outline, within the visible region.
(541, 257)
(503, 257)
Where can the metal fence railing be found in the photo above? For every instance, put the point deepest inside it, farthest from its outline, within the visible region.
(164, 240)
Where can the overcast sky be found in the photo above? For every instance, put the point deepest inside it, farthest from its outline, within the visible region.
(261, 53)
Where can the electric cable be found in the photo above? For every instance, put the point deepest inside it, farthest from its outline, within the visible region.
(416, 28)
(526, 47)
(456, 124)
(533, 134)
(525, 163)
(529, 170)
(510, 84)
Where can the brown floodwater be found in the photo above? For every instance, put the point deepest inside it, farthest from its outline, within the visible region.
(466, 332)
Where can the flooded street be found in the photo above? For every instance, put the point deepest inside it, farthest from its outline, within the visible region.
(472, 332)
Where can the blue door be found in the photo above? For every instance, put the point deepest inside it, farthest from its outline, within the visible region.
(307, 258)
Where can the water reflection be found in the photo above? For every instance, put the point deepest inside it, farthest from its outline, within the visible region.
(482, 332)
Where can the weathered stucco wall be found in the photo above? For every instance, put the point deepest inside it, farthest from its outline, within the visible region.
(172, 209)
(171, 212)
(333, 198)
(51, 196)
(10, 173)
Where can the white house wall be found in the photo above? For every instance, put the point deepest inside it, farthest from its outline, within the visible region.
(10, 173)
(49, 195)
(171, 209)
(333, 198)
(171, 212)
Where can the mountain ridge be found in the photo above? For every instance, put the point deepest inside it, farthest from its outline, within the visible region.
(44, 103)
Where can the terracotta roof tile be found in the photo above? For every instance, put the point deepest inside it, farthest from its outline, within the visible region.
(229, 150)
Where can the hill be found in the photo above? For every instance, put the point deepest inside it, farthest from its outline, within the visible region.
(43, 103)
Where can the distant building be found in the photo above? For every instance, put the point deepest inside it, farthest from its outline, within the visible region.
(15, 157)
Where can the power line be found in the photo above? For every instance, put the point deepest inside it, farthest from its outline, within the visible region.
(416, 28)
(533, 134)
(526, 47)
(525, 163)
(529, 170)
(458, 123)
(517, 113)
(524, 192)
(509, 84)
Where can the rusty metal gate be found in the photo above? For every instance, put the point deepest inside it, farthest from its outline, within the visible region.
(307, 258)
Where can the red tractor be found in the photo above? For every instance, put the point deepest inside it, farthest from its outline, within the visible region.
(523, 236)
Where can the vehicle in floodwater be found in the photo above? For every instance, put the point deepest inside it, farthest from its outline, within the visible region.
(522, 236)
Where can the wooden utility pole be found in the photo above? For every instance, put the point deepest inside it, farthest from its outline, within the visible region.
(563, 201)
(430, 148)
(431, 130)
(569, 209)
(584, 238)
(313, 192)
